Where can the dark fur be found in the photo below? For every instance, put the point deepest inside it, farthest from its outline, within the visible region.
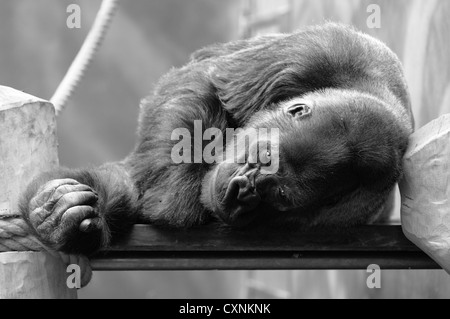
(344, 162)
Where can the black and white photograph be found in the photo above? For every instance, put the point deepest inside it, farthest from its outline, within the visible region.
(227, 156)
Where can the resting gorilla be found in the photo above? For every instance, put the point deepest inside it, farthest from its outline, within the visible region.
(338, 98)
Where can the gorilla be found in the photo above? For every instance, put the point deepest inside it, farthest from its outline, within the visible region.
(338, 100)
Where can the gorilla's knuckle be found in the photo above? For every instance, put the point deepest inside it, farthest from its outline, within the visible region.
(60, 192)
(37, 216)
(45, 229)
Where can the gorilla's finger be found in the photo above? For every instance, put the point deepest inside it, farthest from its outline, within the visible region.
(62, 191)
(37, 216)
(40, 213)
(233, 188)
(241, 189)
(69, 227)
(65, 219)
(247, 196)
(45, 192)
(74, 199)
(86, 225)
(90, 225)
(53, 184)
(240, 202)
(76, 215)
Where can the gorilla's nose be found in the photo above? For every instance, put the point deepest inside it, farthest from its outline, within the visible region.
(299, 110)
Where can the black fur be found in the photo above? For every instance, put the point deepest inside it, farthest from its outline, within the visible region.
(339, 166)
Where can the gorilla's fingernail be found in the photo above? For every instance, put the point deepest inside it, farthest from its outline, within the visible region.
(86, 226)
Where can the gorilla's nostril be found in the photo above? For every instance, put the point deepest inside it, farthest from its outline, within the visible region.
(298, 110)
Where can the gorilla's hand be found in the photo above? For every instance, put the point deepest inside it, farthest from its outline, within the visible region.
(229, 191)
(64, 213)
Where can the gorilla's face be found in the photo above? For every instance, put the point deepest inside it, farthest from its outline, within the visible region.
(324, 152)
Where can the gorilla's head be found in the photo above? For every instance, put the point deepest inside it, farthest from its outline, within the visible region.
(332, 148)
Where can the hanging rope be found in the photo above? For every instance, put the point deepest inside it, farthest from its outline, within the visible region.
(85, 55)
(15, 236)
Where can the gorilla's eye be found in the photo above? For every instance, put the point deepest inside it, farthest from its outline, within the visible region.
(265, 158)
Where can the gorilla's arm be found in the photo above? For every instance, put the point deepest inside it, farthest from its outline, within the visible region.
(80, 211)
(170, 190)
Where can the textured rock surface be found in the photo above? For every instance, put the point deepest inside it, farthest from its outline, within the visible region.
(28, 143)
(44, 279)
(426, 190)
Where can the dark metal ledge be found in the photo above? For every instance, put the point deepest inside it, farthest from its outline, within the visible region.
(151, 248)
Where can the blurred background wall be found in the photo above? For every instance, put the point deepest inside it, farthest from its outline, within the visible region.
(147, 38)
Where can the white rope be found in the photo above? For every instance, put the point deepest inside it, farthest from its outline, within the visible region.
(15, 235)
(85, 55)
